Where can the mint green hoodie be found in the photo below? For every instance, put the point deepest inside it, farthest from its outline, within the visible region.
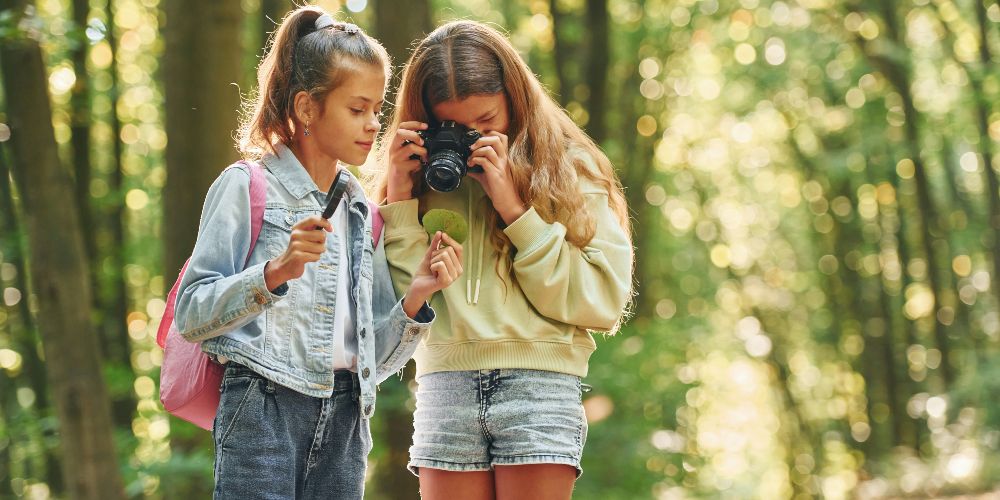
(541, 322)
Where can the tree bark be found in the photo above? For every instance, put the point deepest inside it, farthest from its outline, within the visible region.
(22, 330)
(59, 276)
(80, 127)
(985, 141)
(560, 53)
(399, 30)
(201, 65)
(115, 289)
(897, 73)
(598, 23)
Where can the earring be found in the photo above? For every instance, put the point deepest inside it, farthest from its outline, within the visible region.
(307, 129)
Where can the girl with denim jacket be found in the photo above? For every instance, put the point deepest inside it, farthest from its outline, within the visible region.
(499, 412)
(309, 323)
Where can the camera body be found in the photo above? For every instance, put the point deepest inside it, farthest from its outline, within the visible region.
(448, 148)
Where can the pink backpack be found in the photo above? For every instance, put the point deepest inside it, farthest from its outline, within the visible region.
(189, 379)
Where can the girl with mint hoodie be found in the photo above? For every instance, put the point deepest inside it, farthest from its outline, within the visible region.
(549, 259)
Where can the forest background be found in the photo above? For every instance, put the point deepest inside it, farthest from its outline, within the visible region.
(814, 194)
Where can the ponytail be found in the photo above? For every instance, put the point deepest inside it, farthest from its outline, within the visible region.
(308, 52)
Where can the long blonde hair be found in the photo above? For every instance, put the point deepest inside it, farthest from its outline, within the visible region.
(467, 58)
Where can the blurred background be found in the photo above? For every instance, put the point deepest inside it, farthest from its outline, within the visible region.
(813, 185)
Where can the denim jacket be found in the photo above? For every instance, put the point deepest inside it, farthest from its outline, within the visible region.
(287, 335)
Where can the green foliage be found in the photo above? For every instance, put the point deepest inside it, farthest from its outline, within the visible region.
(810, 187)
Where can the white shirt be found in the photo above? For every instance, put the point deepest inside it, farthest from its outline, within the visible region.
(345, 341)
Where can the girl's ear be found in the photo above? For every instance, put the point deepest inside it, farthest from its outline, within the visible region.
(302, 107)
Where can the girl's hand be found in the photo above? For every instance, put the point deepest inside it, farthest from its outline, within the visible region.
(307, 244)
(442, 265)
(490, 153)
(405, 154)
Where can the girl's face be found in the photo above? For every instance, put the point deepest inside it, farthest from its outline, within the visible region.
(485, 112)
(349, 122)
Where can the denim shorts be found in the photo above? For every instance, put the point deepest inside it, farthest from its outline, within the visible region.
(273, 442)
(475, 420)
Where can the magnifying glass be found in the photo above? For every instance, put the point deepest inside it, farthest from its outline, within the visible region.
(336, 194)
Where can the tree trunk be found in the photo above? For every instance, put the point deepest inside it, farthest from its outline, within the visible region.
(598, 26)
(80, 130)
(985, 141)
(116, 301)
(398, 30)
(897, 73)
(201, 63)
(560, 53)
(59, 276)
(21, 328)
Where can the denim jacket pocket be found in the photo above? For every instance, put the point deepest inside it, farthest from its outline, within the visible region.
(277, 230)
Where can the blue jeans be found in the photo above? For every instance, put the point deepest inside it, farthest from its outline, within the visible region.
(274, 443)
(475, 420)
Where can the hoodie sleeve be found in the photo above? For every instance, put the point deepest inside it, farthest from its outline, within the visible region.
(587, 287)
(405, 242)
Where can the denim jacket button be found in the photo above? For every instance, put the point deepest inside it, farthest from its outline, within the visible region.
(289, 220)
(365, 373)
(364, 332)
(368, 410)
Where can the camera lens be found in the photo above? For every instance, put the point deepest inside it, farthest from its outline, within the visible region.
(444, 171)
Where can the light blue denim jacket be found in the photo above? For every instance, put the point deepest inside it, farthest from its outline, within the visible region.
(287, 335)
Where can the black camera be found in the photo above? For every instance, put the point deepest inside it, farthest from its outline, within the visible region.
(447, 153)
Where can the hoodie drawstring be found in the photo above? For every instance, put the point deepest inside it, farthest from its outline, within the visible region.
(475, 264)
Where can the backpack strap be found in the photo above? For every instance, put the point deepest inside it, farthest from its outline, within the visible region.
(377, 223)
(258, 198)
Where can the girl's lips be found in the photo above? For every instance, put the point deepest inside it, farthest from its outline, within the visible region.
(364, 145)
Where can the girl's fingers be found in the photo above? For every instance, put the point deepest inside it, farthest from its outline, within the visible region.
(502, 137)
(435, 243)
(487, 140)
(447, 256)
(312, 222)
(413, 125)
(452, 245)
(441, 272)
(311, 235)
(482, 161)
(307, 247)
(487, 152)
(405, 137)
(497, 142)
(413, 149)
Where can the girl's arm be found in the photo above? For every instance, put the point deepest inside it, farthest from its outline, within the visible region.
(405, 242)
(217, 295)
(588, 287)
(397, 335)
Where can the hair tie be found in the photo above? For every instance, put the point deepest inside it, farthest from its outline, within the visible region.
(324, 21)
(350, 29)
